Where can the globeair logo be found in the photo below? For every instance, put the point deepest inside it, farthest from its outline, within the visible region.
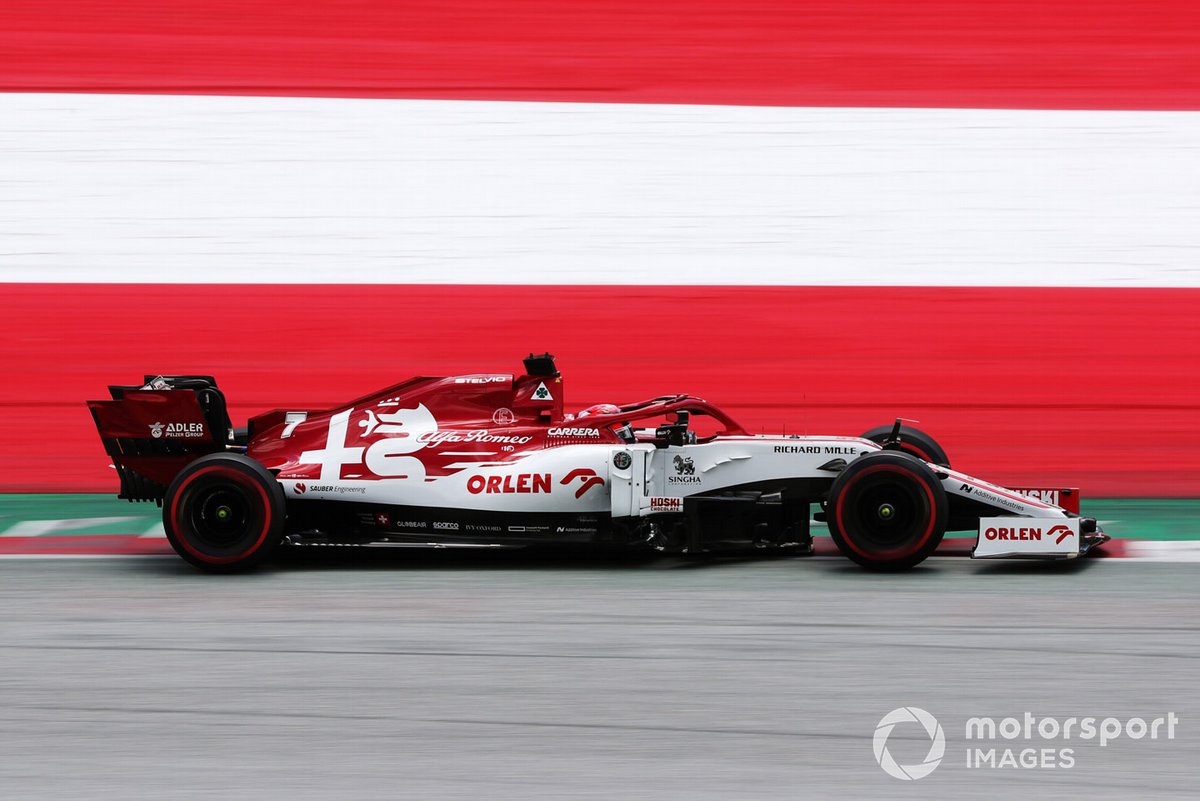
(937, 744)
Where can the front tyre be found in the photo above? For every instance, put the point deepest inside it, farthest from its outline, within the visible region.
(224, 512)
(912, 440)
(887, 511)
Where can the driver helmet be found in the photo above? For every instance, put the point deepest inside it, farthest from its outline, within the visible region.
(600, 408)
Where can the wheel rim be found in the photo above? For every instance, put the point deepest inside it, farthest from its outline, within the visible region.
(886, 512)
(221, 516)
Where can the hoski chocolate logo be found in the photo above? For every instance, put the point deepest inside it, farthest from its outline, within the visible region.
(666, 504)
(1050, 496)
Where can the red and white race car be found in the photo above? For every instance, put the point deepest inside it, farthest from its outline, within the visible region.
(491, 459)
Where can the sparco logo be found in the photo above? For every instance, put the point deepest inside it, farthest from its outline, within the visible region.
(1057, 534)
(933, 729)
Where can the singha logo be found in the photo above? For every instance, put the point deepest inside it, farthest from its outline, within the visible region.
(156, 430)
(684, 467)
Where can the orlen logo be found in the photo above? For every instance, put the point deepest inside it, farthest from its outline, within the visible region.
(588, 478)
(1026, 533)
(521, 483)
(1059, 531)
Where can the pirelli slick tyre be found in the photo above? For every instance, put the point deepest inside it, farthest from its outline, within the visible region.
(887, 511)
(914, 441)
(224, 512)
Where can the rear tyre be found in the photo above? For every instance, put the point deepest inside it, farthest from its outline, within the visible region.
(914, 441)
(224, 512)
(887, 511)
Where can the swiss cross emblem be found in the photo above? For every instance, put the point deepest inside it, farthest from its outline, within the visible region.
(383, 519)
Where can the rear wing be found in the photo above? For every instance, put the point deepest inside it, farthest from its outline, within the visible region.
(152, 431)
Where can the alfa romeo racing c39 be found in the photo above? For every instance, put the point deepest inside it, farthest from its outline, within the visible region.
(492, 459)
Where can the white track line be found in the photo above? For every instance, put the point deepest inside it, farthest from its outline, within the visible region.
(1138, 551)
(1164, 551)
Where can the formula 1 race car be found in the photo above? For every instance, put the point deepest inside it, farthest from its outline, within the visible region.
(491, 459)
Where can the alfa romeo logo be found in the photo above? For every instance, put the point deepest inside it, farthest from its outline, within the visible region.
(937, 743)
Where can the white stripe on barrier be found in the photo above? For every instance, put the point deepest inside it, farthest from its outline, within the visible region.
(1164, 551)
(125, 188)
(41, 528)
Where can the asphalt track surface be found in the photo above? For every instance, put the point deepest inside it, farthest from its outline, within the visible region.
(508, 675)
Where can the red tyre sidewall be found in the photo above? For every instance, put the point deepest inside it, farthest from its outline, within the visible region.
(239, 477)
(913, 441)
(895, 554)
(913, 450)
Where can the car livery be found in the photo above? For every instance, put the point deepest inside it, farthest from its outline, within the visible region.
(493, 459)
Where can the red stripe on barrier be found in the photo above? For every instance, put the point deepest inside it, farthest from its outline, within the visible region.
(84, 545)
(1095, 388)
(964, 53)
